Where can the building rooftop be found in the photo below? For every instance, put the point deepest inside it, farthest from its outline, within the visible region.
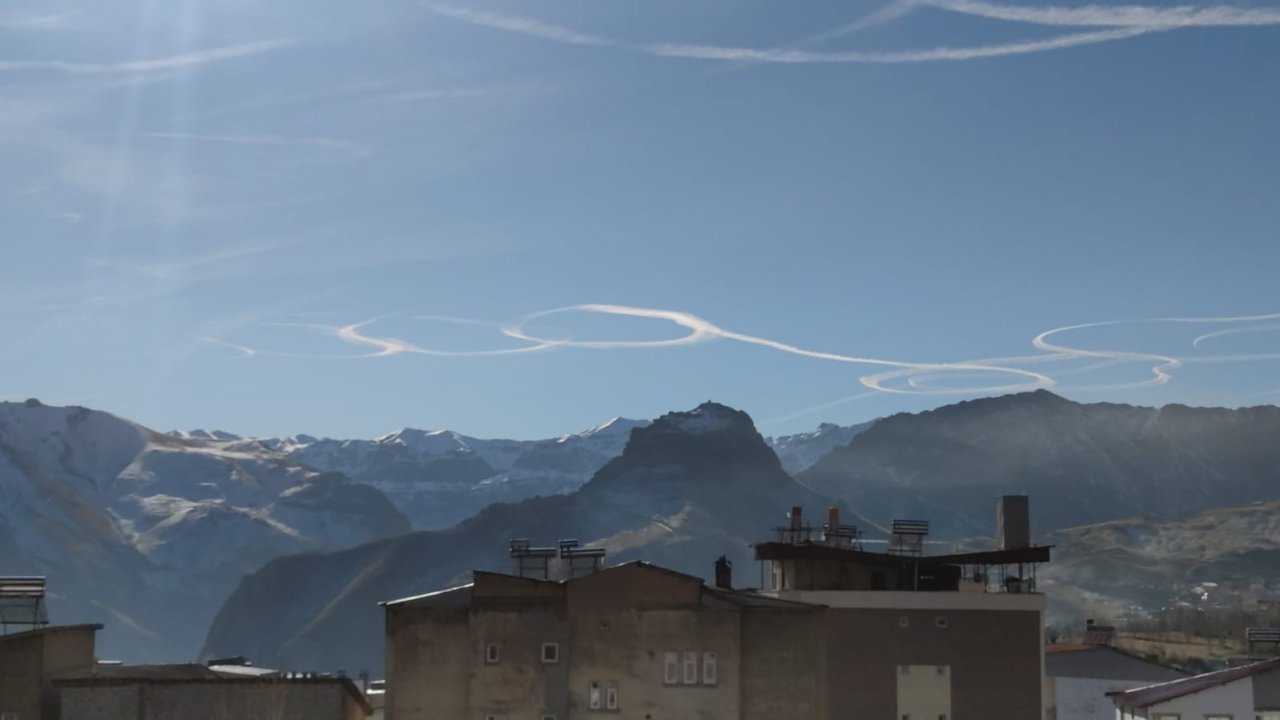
(125, 681)
(1166, 691)
(49, 629)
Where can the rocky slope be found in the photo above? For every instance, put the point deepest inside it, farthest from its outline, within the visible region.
(687, 488)
(1080, 463)
(148, 532)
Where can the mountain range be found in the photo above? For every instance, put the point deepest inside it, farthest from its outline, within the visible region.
(695, 485)
(687, 488)
(149, 532)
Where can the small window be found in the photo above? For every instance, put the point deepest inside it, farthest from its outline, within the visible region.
(611, 696)
(490, 717)
(941, 621)
(491, 653)
(593, 696)
(709, 672)
(550, 652)
(904, 621)
(942, 669)
(691, 668)
(671, 667)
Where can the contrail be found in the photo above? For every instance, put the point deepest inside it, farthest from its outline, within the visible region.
(323, 143)
(900, 377)
(173, 62)
(1059, 42)
(557, 33)
(517, 24)
(1144, 16)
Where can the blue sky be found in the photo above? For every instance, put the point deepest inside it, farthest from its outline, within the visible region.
(343, 218)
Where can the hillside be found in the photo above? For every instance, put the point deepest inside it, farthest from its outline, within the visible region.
(1080, 463)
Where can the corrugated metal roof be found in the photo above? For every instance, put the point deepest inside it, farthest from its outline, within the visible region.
(1164, 692)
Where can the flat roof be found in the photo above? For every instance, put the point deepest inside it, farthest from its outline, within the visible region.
(51, 629)
(819, 551)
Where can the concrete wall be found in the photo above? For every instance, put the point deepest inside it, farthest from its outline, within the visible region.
(208, 700)
(29, 660)
(627, 648)
(1266, 691)
(430, 661)
(784, 665)
(519, 684)
(21, 661)
(994, 658)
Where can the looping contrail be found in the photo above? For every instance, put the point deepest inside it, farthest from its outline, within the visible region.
(898, 377)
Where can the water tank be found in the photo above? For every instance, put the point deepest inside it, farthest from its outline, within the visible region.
(1013, 522)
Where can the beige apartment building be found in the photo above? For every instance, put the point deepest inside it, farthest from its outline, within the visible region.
(836, 631)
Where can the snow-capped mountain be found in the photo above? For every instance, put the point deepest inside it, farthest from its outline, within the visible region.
(800, 451)
(148, 532)
(440, 477)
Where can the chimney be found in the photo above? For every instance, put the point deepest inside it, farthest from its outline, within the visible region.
(795, 517)
(1013, 522)
(724, 573)
(833, 518)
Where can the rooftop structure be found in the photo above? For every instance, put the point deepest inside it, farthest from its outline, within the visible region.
(1245, 691)
(22, 603)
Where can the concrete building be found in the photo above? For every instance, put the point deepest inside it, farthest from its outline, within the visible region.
(188, 698)
(1249, 692)
(1079, 676)
(31, 660)
(911, 636)
(633, 640)
(837, 632)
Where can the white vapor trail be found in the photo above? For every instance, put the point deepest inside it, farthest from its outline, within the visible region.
(518, 25)
(173, 62)
(1120, 22)
(323, 143)
(715, 52)
(900, 377)
(1145, 16)
(53, 21)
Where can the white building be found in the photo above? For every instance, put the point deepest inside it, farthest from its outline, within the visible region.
(1079, 676)
(1248, 692)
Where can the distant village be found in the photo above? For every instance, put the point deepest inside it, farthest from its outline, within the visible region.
(828, 625)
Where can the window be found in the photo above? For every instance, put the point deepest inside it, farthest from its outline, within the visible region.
(942, 669)
(691, 668)
(941, 621)
(550, 652)
(903, 621)
(671, 667)
(593, 696)
(611, 696)
(491, 653)
(709, 668)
